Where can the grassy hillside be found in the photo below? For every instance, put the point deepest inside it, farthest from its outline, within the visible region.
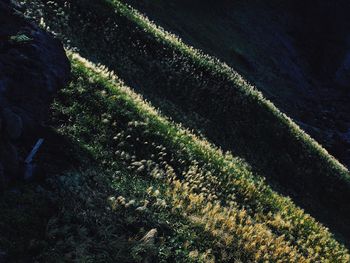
(291, 51)
(125, 171)
(206, 95)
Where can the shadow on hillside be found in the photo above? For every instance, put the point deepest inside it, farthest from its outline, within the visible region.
(26, 208)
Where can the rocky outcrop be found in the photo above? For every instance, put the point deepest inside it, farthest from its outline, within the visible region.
(33, 66)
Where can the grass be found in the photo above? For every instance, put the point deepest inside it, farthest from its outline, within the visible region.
(132, 170)
(125, 169)
(208, 96)
(20, 39)
(217, 185)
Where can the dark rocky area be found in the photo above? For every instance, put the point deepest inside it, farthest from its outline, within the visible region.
(296, 52)
(33, 66)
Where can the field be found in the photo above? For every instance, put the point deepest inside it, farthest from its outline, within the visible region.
(135, 183)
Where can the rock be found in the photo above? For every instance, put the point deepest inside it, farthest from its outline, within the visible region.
(13, 123)
(149, 238)
(148, 242)
(33, 66)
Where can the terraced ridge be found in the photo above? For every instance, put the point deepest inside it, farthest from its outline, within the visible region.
(135, 170)
(206, 95)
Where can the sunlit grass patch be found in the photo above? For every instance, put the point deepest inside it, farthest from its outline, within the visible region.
(188, 176)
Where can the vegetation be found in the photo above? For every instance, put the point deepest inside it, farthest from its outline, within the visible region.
(207, 96)
(132, 185)
(20, 38)
(206, 205)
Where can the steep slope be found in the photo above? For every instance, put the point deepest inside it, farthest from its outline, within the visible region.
(296, 53)
(132, 173)
(205, 94)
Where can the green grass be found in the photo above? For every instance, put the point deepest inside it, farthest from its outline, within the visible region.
(206, 95)
(200, 182)
(20, 39)
(179, 156)
(205, 172)
(125, 169)
(129, 170)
